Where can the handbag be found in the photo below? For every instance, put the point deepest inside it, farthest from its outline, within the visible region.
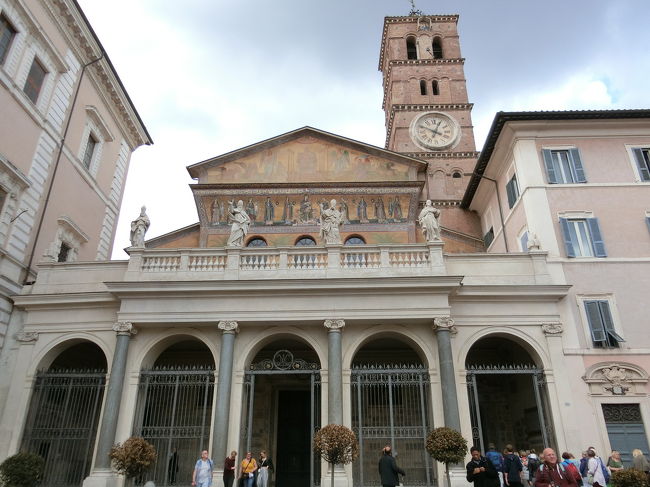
(590, 479)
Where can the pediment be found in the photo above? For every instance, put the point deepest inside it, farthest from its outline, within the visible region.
(307, 155)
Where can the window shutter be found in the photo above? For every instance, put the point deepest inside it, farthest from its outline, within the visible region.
(606, 314)
(595, 322)
(647, 221)
(644, 171)
(548, 162)
(512, 198)
(596, 238)
(579, 172)
(564, 223)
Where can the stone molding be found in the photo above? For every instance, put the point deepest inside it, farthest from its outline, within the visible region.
(334, 325)
(124, 328)
(26, 336)
(447, 323)
(551, 329)
(616, 379)
(228, 326)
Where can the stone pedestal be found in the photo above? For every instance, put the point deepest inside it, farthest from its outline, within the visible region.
(101, 477)
(341, 478)
(457, 477)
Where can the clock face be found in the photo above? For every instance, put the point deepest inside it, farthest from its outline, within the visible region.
(434, 130)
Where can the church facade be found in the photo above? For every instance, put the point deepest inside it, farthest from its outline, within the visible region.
(515, 318)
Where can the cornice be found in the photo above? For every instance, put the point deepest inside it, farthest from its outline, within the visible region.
(67, 300)
(532, 292)
(83, 41)
(444, 155)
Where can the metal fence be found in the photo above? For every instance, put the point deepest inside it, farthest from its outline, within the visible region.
(62, 423)
(390, 405)
(173, 413)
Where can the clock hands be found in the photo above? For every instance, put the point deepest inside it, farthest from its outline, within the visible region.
(431, 130)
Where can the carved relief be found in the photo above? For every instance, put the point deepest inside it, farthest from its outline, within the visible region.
(26, 336)
(552, 328)
(616, 378)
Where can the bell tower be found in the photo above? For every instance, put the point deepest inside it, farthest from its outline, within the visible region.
(428, 114)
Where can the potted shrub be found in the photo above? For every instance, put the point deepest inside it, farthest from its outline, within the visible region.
(336, 444)
(447, 446)
(133, 457)
(629, 478)
(22, 470)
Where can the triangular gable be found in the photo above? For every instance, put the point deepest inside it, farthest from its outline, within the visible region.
(307, 155)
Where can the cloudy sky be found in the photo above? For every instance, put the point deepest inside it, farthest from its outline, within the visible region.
(210, 76)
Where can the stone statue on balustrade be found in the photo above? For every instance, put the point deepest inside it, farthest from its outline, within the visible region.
(139, 228)
(429, 222)
(330, 221)
(240, 222)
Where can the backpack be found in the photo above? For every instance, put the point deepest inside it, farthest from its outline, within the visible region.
(513, 465)
(533, 464)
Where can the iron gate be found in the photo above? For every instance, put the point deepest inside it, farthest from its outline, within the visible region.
(62, 423)
(283, 363)
(541, 398)
(390, 405)
(173, 413)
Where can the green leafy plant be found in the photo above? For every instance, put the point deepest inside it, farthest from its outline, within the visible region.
(133, 457)
(629, 478)
(336, 444)
(446, 445)
(22, 470)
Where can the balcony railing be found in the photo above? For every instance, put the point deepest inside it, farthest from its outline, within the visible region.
(286, 262)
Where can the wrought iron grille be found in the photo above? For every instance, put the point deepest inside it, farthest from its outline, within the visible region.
(390, 405)
(622, 413)
(62, 423)
(173, 413)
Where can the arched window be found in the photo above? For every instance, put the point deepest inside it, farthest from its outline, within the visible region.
(436, 48)
(256, 242)
(355, 240)
(305, 242)
(456, 175)
(423, 87)
(411, 49)
(435, 90)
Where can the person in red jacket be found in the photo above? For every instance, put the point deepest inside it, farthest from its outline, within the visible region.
(552, 473)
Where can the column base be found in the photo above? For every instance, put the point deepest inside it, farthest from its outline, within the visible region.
(340, 477)
(103, 478)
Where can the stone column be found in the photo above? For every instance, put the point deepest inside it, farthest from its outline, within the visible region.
(124, 331)
(334, 372)
(443, 326)
(222, 407)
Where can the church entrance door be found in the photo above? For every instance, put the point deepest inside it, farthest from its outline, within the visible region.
(281, 412)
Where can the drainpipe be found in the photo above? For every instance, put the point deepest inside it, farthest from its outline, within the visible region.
(26, 280)
(503, 224)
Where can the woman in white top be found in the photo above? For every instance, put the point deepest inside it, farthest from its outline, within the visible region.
(595, 470)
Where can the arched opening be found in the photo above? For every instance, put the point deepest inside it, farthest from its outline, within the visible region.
(436, 48)
(64, 413)
(174, 408)
(281, 409)
(423, 87)
(411, 48)
(390, 405)
(456, 175)
(305, 241)
(355, 240)
(435, 89)
(256, 242)
(508, 398)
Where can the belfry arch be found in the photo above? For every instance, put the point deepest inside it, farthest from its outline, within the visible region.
(281, 408)
(507, 394)
(64, 412)
(174, 406)
(390, 402)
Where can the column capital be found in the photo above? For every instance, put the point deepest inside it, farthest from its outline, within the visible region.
(26, 336)
(552, 329)
(228, 326)
(124, 328)
(444, 323)
(334, 325)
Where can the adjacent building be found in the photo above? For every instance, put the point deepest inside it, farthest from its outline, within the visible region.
(522, 324)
